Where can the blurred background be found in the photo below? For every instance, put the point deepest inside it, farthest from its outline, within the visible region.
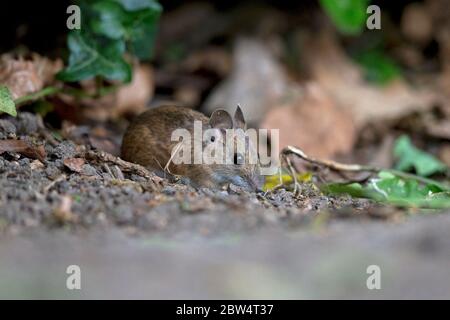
(310, 68)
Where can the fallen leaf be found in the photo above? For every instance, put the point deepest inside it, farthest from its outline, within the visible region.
(256, 82)
(7, 104)
(24, 76)
(409, 157)
(391, 189)
(134, 97)
(344, 81)
(24, 148)
(131, 98)
(313, 122)
(74, 164)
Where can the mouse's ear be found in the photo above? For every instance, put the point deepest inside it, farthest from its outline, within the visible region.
(221, 119)
(239, 121)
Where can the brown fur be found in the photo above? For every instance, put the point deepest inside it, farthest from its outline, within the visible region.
(148, 142)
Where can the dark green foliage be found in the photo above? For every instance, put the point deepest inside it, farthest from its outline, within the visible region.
(378, 67)
(110, 29)
(409, 157)
(349, 16)
(391, 189)
(7, 104)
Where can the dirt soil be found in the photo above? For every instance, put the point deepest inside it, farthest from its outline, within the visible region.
(140, 237)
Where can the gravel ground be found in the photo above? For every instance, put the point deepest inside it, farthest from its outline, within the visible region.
(136, 237)
(55, 192)
(331, 262)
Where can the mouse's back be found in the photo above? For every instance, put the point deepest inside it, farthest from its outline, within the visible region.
(147, 140)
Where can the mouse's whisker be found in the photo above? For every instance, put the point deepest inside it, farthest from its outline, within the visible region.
(177, 147)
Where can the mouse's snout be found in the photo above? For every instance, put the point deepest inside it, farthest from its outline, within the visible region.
(257, 183)
(252, 183)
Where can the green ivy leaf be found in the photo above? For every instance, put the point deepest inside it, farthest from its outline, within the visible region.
(133, 5)
(396, 191)
(143, 33)
(7, 104)
(89, 58)
(409, 193)
(112, 20)
(349, 16)
(134, 21)
(409, 157)
(378, 67)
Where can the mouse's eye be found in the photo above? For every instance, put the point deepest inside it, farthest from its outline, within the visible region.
(238, 159)
(212, 139)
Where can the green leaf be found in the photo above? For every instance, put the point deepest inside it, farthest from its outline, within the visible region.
(395, 191)
(378, 67)
(409, 157)
(143, 34)
(353, 189)
(7, 104)
(109, 28)
(409, 193)
(133, 21)
(349, 16)
(91, 57)
(112, 20)
(133, 5)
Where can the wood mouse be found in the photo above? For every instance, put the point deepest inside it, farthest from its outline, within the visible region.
(148, 142)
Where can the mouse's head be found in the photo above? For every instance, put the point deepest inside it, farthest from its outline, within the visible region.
(240, 165)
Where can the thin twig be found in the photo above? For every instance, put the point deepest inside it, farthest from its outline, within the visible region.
(59, 178)
(126, 166)
(328, 163)
(50, 91)
(336, 166)
(37, 95)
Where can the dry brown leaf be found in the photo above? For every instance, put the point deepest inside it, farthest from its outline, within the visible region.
(256, 83)
(74, 164)
(344, 82)
(131, 98)
(314, 123)
(134, 97)
(24, 76)
(24, 148)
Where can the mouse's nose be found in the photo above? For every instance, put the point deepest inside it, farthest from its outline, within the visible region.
(259, 190)
(257, 184)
